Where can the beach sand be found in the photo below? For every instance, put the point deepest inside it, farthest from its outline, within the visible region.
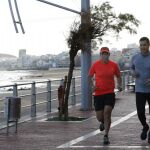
(58, 73)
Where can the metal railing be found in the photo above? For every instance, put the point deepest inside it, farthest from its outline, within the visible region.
(39, 98)
(126, 78)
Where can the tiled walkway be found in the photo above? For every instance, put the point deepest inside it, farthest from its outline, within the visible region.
(44, 135)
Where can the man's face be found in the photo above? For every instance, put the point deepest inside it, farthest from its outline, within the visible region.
(104, 56)
(144, 47)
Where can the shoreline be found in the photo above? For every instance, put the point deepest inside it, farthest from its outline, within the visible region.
(36, 76)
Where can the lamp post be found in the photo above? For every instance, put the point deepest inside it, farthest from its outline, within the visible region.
(86, 98)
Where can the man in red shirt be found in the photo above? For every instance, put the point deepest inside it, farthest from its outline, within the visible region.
(104, 71)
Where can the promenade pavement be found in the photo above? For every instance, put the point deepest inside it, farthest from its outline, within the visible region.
(52, 135)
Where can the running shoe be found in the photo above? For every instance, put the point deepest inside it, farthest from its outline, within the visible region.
(144, 132)
(101, 127)
(106, 140)
(149, 137)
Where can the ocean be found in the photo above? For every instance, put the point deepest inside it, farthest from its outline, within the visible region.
(11, 77)
(26, 76)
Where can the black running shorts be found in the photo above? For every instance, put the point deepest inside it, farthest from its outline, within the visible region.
(100, 101)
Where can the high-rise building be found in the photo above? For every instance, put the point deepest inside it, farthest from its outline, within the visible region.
(22, 53)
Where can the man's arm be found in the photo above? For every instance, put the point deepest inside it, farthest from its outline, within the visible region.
(91, 83)
(134, 73)
(132, 69)
(119, 79)
(119, 83)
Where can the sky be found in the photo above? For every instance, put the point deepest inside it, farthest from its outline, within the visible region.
(47, 27)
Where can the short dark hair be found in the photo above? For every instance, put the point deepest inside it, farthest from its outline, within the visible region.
(144, 39)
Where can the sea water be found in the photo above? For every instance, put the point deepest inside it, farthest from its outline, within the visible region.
(11, 77)
(29, 76)
(19, 77)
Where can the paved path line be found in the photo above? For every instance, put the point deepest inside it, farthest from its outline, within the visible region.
(79, 139)
(114, 147)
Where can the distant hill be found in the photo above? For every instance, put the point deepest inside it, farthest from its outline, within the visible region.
(7, 56)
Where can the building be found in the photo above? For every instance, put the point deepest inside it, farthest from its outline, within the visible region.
(22, 53)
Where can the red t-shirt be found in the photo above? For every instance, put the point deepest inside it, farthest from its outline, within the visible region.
(104, 76)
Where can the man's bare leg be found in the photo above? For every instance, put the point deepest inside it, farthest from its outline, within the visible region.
(100, 118)
(107, 118)
(100, 115)
(107, 122)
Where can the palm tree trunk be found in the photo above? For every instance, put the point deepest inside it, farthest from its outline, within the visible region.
(70, 73)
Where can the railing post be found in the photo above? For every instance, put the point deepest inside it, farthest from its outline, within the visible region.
(49, 96)
(73, 92)
(33, 100)
(123, 80)
(128, 77)
(15, 90)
